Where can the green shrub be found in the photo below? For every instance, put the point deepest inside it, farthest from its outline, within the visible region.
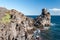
(6, 18)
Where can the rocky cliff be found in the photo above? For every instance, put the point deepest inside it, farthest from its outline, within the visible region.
(15, 25)
(43, 20)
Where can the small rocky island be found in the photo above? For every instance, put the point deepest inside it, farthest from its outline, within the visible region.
(15, 25)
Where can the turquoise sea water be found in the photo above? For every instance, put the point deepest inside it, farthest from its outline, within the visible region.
(54, 31)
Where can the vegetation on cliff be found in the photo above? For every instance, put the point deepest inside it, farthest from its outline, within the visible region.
(6, 18)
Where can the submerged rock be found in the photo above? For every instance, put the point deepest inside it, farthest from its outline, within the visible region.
(16, 26)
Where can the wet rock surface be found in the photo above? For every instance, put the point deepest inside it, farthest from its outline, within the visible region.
(16, 26)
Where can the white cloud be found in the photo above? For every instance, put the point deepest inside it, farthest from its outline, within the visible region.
(55, 10)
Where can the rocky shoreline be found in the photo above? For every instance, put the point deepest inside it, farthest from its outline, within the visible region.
(15, 25)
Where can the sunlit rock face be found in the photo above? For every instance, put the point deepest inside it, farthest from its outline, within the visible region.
(15, 25)
(43, 20)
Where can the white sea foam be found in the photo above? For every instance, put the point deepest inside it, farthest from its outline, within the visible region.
(53, 24)
(46, 28)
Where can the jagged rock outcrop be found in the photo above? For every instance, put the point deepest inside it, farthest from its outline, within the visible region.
(43, 20)
(16, 26)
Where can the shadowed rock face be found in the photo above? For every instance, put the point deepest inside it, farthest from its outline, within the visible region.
(16, 26)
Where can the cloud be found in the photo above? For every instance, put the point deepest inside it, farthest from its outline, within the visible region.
(55, 10)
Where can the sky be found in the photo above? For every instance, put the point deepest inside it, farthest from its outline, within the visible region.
(32, 7)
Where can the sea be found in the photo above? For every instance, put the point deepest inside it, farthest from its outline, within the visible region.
(54, 30)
